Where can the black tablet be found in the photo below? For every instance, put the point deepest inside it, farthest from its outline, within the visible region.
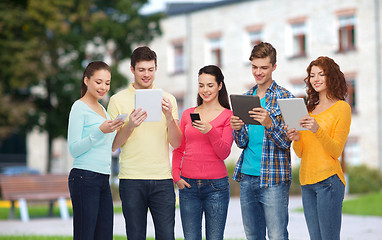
(241, 104)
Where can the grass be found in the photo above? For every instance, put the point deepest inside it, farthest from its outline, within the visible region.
(368, 204)
(365, 205)
(39, 211)
(53, 238)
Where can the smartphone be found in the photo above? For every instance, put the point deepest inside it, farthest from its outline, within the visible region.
(194, 116)
(121, 116)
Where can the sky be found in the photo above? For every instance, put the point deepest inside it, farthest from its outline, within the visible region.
(158, 5)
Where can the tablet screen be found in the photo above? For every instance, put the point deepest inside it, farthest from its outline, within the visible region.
(241, 104)
(150, 100)
(293, 110)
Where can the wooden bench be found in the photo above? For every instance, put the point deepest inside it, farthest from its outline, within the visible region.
(23, 188)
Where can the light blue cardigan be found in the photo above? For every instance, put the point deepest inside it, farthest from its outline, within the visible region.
(88, 145)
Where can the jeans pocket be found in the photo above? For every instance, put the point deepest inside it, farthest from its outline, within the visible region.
(221, 184)
(326, 182)
(82, 174)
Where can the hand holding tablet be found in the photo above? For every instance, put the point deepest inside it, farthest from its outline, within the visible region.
(242, 104)
(293, 110)
(149, 100)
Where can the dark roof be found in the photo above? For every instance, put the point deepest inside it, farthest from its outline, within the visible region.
(182, 8)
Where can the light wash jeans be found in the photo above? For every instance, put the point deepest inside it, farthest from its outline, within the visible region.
(322, 204)
(210, 196)
(264, 209)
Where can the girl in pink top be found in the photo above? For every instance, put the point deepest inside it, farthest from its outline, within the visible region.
(198, 164)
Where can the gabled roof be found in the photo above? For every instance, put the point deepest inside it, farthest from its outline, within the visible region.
(183, 8)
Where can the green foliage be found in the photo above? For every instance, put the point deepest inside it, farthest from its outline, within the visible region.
(295, 187)
(44, 50)
(234, 187)
(367, 205)
(362, 179)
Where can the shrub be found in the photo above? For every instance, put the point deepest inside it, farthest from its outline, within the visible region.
(363, 179)
(295, 187)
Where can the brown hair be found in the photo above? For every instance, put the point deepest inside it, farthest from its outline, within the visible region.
(89, 72)
(142, 54)
(219, 78)
(263, 50)
(335, 82)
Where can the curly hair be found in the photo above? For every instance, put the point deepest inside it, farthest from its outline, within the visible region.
(335, 82)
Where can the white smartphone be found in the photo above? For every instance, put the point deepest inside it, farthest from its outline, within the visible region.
(121, 116)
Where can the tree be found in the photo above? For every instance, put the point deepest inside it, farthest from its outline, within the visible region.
(45, 46)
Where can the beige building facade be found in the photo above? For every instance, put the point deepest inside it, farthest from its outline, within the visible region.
(223, 33)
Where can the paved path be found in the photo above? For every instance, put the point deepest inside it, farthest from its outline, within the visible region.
(353, 227)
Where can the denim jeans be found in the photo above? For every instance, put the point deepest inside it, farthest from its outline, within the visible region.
(92, 205)
(264, 209)
(322, 204)
(140, 195)
(210, 196)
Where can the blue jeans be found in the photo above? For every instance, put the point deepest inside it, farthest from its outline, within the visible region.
(140, 195)
(210, 196)
(264, 208)
(92, 205)
(322, 204)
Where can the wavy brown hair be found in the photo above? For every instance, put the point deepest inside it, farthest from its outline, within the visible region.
(335, 82)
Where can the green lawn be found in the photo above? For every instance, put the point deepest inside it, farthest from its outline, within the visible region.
(364, 205)
(42, 211)
(52, 238)
(370, 204)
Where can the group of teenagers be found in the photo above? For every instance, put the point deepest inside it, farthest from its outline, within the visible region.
(200, 148)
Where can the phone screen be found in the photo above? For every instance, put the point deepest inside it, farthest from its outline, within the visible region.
(194, 116)
(121, 116)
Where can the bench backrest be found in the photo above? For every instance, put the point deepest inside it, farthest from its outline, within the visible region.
(15, 186)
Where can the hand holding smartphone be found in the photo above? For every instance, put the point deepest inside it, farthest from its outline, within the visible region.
(194, 116)
(121, 117)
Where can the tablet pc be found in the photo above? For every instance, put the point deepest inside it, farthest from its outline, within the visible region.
(241, 104)
(150, 100)
(293, 110)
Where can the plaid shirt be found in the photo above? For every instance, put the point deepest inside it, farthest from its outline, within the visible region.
(275, 159)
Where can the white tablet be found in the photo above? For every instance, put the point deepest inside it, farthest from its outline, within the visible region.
(150, 100)
(293, 110)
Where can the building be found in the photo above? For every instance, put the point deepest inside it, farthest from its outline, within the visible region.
(223, 33)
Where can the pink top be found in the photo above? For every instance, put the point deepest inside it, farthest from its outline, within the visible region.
(203, 154)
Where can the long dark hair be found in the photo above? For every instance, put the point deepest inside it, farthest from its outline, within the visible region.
(219, 77)
(89, 72)
(335, 82)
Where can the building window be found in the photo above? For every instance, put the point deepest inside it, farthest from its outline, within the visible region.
(216, 51)
(179, 65)
(346, 33)
(351, 97)
(255, 37)
(351, 152)
(299, 39)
